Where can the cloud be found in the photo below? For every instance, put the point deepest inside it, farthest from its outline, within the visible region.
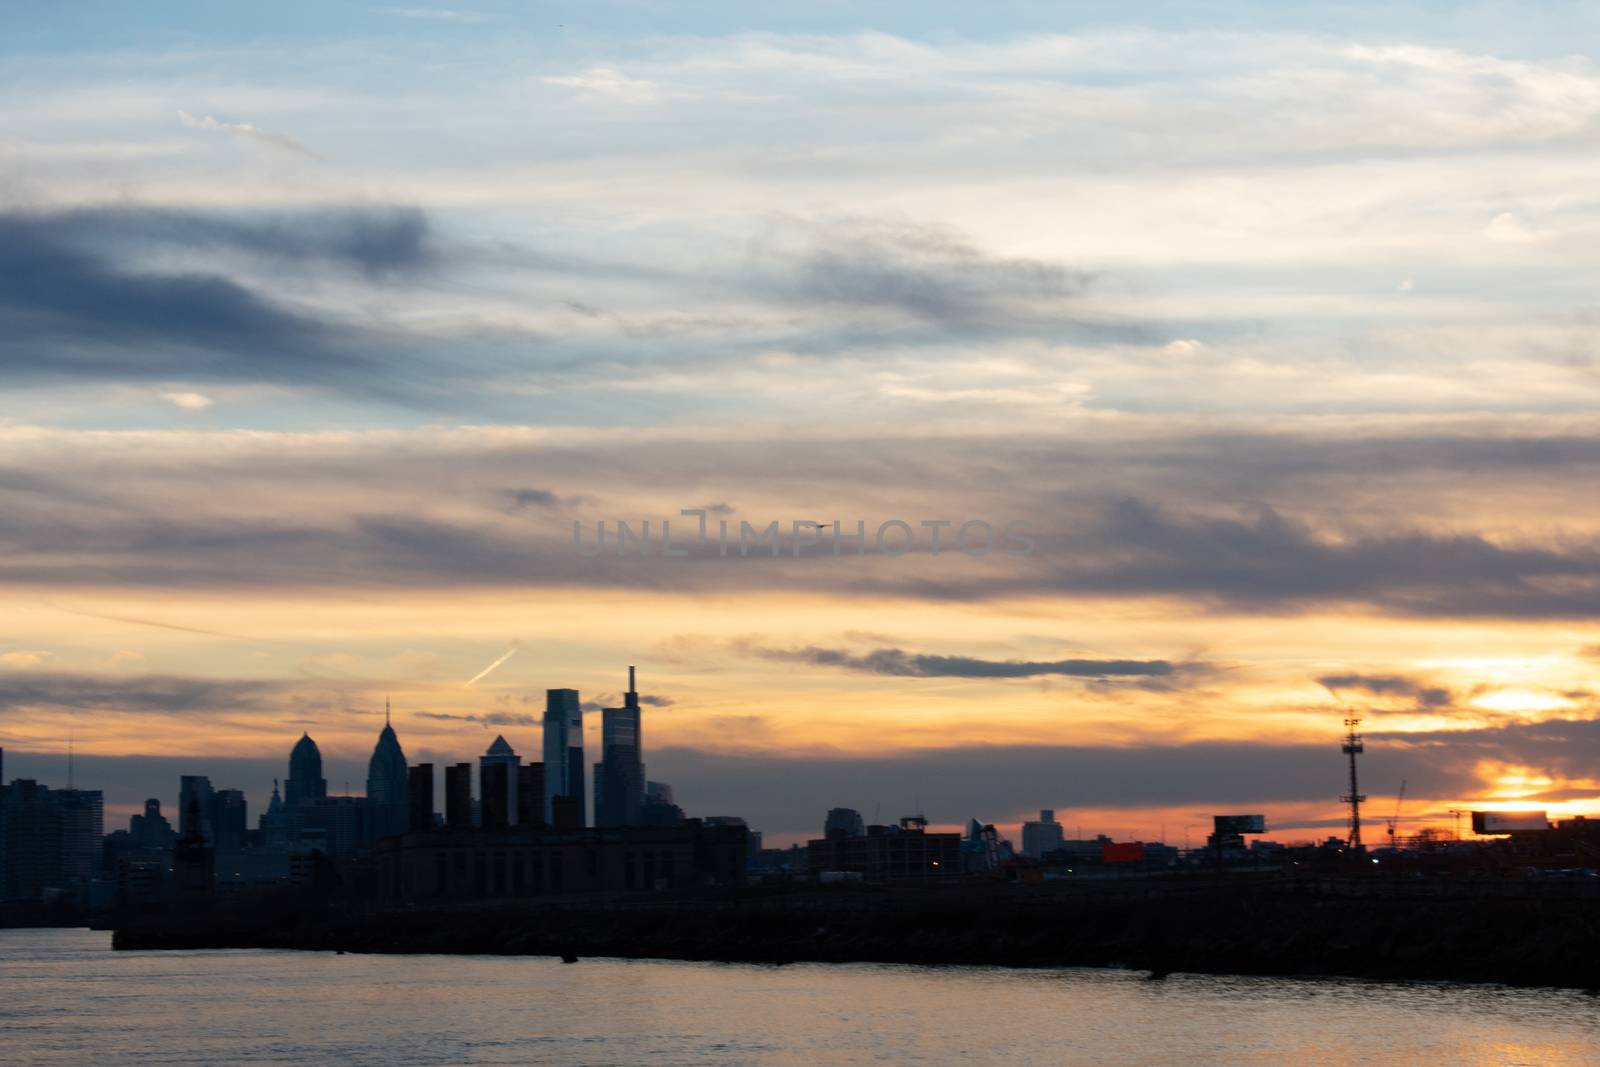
(615, 700)
(249, 132)
(23, 658)
(919, 270)
(167, 694)
(898, 662)
(517, 499)
(435, 14)
(1389, 685)
(188, 401)
(404, 510)
(487, 719)
(609, 84)
(80, 299)
(1509, 229)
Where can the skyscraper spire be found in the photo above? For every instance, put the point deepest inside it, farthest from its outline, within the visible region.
(386, 711)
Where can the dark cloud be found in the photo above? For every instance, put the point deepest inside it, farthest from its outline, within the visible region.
(895, 661)
(146, 693)
(783, 793)
(517, 499)
(399, 513)
(922, 271)
(615, 700)
(790, 793)
(492, 718)
(79, 297)
(1396, 685)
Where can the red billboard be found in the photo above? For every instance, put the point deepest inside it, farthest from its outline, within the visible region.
(1123, 852)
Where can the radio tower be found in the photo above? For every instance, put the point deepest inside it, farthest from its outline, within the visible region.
(1353, 747)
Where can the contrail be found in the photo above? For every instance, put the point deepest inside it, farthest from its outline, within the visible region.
(512, 651)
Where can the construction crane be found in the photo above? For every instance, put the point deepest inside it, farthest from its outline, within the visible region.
(1394, 819)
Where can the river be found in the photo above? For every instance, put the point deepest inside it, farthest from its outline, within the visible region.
(66, 998)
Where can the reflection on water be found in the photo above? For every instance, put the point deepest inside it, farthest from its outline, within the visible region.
(66, 998)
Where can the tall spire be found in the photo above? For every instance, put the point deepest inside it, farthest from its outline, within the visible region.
(386, 711)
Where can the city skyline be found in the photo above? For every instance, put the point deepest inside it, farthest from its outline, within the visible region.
(1270, 325)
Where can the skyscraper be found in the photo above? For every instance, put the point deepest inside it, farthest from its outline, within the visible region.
(229, 819)
(458, 796)
(843, 822)
(305, 782)
(195, 788)
(82, 824)
(619, 778)
(388, 794)
(1041, 835)
(563, 752)
(420, 782)
(497, 783)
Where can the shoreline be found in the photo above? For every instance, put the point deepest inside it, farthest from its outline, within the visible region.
(1218, 928)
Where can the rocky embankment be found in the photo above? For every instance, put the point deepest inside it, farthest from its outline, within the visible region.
(1209, 928)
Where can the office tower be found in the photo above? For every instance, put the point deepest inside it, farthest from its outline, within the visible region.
(277, 826)
(52, 838)
(193, 861)
(844, 822)
(619, 778)
(1042, 835)
(658, 808)
(229, 819)
(151, 830)
(563, 755)
(305, 783)
(388, 791)
(80, 821)
(530, 795)
(458, 796)
(419, 797)
(498, 766)
(494, 791)
(194, 802)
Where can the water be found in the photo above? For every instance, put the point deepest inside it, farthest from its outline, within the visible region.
(66, 998)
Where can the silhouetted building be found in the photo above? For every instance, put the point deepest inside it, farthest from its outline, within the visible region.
(458, 796)
(277, 826)
(305, 783)
(516, 863)
(335, 826)
(497, 784)
(889, 853)
(229, 819)
(52, 838)
(193, 861)
(658, 808)
(419, 782)
(619, 777)
(843, 822)
(494, 787)
(566, 814)
(151, 830)
(388, 791)
(194, 802)
(563, 753)
(530, 796)
(1042, 835)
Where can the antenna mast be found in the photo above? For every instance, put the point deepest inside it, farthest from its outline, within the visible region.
(1353, 747)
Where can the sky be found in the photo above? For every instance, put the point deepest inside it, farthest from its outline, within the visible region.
(331, 333)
